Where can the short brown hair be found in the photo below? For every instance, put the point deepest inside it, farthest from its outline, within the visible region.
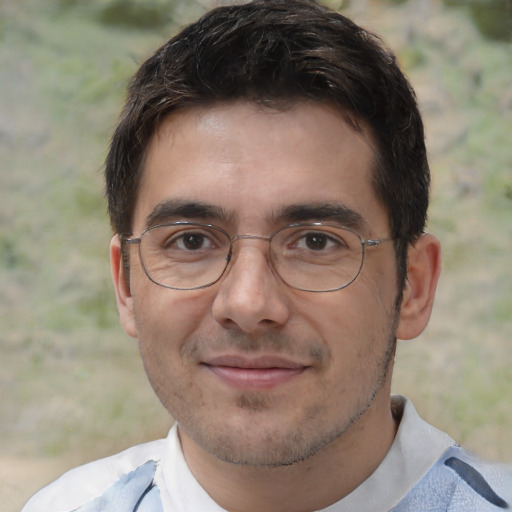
(277, 52)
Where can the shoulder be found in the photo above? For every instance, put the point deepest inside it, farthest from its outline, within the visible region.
(86, 482)
(458, 482)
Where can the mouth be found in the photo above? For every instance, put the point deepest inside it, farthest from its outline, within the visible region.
(264, 372)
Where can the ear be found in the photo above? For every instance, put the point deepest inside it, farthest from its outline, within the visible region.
(122, 288)
(423, 269)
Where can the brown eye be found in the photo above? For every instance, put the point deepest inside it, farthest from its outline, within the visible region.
(192, 242)
(316, 241)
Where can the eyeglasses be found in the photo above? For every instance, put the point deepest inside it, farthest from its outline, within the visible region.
(311, 257)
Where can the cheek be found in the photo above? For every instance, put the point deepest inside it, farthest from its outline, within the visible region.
(350, 322)
(166, 318)
(338, 314)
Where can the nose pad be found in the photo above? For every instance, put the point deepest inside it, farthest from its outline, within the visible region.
(229, 255)
(263, 252)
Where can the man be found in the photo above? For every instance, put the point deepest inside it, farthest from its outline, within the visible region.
(268, 189)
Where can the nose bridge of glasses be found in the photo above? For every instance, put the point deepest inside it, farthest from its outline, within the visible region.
(236, 238)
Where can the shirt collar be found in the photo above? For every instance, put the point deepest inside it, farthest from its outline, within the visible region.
(416, 448)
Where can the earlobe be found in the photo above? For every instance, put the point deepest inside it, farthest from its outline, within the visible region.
(122, 288)
(423, 269)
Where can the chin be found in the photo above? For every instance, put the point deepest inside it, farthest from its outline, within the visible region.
(254, 444)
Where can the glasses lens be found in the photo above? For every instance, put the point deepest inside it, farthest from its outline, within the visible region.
(317, 258)
(184, 256)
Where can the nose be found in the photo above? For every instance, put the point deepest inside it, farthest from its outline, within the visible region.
(251, 297)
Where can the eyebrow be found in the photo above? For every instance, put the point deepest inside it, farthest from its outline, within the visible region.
(172, 210)
(325, 212)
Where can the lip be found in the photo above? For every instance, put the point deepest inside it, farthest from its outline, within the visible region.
(264, 372)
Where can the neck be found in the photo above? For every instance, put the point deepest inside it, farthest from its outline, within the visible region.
(323, 479)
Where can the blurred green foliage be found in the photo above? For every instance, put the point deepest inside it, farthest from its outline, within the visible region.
(492, 17)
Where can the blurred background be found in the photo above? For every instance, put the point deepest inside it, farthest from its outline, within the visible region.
(72, 387)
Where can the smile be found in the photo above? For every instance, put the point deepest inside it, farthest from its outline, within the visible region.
(260, 373)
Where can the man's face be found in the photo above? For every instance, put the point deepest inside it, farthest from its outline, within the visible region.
(254, 371)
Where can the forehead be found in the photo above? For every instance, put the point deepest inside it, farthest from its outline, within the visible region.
(250, 162)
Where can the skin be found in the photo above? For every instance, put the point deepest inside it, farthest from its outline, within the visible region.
(282, 396)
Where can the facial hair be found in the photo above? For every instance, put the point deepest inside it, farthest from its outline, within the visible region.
(280, 447)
